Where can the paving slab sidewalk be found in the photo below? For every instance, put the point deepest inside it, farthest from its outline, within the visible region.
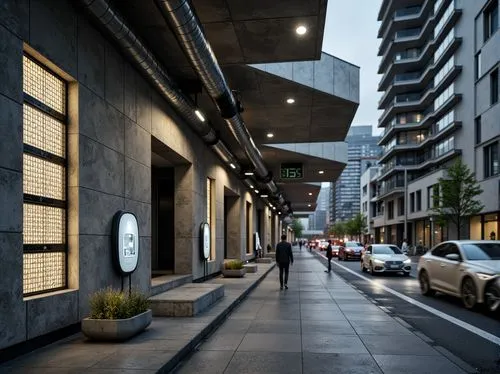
(321, 324)
(158, 349)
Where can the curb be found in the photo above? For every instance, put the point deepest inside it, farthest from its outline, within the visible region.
(212, 326)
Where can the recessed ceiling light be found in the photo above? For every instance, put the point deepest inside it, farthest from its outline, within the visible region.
(199, 115)
(290, 100)
(310, 194)
(301, 30)
(274, 208)
(251, 186)
(309, 205)
(279, 213)
(248, 172)
(321, 172)
(270, 135)
(256, 191)
(232, 165)
(264, 196)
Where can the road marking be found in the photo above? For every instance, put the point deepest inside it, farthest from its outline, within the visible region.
(483, 334)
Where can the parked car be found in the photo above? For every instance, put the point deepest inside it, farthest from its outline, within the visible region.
(350, 250)
(385, 258)
(468, 269)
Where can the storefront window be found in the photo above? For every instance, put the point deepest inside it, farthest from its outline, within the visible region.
(419, 233)
(491, 227)
(475, 228)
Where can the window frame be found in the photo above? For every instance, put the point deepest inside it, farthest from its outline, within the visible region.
(494, 87)
(47, 156)
(488, 161)
(488, 27)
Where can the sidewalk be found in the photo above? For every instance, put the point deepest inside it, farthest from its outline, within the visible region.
(320, 325)
(158, 349)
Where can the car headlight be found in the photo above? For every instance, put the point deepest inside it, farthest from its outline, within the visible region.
(485, 276)
(348, 250)
(407, 261)
(377, 261)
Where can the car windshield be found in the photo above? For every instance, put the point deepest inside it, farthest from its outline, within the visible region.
(353, 244)
(482, 251)
(386, 250)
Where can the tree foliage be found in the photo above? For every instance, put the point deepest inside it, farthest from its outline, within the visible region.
(358, 225)
(455, 199)
(338, 229)
(297, 228)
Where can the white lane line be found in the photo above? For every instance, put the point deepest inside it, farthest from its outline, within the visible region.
(483, 334)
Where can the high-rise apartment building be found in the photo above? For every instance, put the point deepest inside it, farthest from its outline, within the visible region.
(363, 152)
(439, 66)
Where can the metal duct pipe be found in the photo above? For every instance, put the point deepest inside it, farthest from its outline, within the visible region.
(186, 27)
(143, 59)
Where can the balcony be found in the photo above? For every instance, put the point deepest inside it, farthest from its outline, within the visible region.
(388, 59)
(429, 117)
(401, 80)
(416, 102)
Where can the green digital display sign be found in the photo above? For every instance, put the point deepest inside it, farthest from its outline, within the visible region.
(292, 171)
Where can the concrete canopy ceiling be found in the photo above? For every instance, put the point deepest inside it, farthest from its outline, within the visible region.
(298, 194)
(239, 32)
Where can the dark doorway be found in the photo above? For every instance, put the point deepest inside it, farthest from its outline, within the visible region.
(163, 221)
(226, 214)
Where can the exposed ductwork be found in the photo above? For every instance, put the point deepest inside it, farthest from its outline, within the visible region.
(183, 21)
(144, 60)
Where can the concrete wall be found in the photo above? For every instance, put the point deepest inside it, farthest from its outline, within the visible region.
(113, 113)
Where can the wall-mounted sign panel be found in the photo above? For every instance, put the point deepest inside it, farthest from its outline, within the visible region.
(292, 171)
(205, 241)
(125, 242)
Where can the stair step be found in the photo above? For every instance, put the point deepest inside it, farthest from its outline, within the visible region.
(187, 300)
(168, 282)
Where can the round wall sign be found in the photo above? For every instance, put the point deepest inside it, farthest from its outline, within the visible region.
(125, 242)
(205, 240)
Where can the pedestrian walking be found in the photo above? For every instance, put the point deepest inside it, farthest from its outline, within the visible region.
(329, 255)
(284, 257)
(404, 246)
(300, 245)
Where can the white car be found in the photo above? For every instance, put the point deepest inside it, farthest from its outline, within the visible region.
(462, 268)
(385, 258)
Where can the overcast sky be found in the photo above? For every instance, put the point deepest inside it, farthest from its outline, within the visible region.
(351, 34)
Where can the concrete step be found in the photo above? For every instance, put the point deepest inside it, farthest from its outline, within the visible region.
(264, 260)
(251, 268)
(187, 300)
(168, 282)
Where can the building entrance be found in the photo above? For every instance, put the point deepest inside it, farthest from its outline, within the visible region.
(162, 223)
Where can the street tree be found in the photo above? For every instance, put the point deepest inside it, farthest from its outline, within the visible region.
(338, 230)
(456, 197)
(358, 225)
(297, 228)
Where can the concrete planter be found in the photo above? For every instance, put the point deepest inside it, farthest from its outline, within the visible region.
(239, 273)
(116, 329)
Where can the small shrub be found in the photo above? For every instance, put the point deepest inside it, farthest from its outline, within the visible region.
(113, 304)
(234, 265)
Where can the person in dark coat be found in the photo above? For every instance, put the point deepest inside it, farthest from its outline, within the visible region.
(284, 257)
(329, 255)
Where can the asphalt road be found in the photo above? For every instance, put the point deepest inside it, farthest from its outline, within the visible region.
(474, 349)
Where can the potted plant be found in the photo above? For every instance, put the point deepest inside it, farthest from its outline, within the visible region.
(115, 315)
(233, 269)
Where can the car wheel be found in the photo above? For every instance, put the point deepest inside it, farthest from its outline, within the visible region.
(425, 285)
(492, 298)
(363, 269)
(469, 293)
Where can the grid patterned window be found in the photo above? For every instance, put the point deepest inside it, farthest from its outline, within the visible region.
(44, 180)
(211, 216)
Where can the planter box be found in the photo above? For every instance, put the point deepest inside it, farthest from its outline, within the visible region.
(250, 268)
(116, 329)
(239, 273)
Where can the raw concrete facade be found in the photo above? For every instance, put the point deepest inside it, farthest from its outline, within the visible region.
(120, 132)
(442, 46)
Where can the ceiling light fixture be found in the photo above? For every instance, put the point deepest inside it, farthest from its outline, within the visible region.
(270, 135)
(274, 208)
(301, 30)
(249, 173)
(251, 186)
(310, 193)
(309, 205)
(256, 191)
(279, 213)
(232, 165)
(290, 100)
(199, 115)
(264, 195)
(321, 172)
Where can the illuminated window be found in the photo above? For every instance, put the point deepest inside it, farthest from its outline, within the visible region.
(44, 180)
(211, 216)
